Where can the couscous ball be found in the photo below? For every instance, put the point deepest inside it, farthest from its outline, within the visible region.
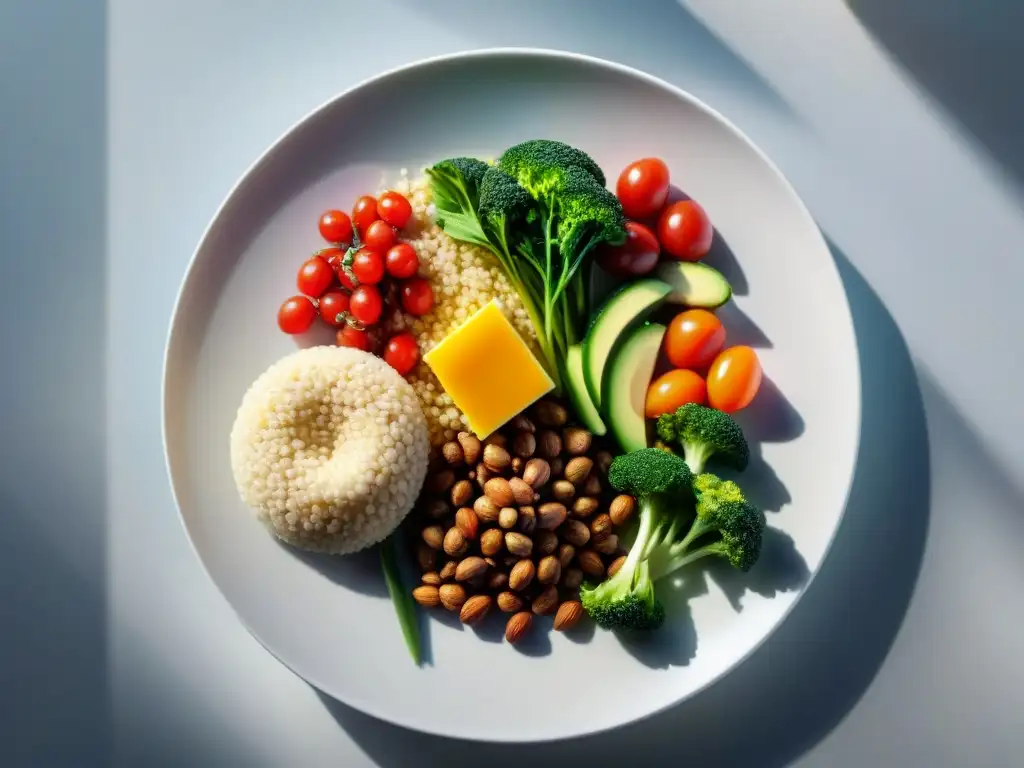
(329, 447)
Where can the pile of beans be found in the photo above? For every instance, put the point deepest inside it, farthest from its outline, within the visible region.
(519, 520)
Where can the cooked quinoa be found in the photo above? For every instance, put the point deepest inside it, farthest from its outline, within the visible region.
(464, 278)
(329, 447)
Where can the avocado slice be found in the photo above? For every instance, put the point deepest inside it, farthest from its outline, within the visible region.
(623, 309)
(579, 396)
(629, 376)
(694, 284)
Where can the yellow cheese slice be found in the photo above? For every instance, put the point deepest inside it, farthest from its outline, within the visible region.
(488, 370)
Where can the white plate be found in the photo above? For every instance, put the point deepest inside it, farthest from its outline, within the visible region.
(330, 620)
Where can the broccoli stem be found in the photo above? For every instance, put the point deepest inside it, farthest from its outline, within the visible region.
(515, 277)
(679, 554)
(697, 455)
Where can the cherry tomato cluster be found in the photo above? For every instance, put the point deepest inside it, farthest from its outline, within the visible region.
(365, 273)
(703, 370)
(657, 226)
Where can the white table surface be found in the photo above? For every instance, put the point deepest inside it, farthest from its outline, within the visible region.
(905, 651)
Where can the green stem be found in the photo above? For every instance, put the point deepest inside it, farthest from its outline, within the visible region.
(405, 606)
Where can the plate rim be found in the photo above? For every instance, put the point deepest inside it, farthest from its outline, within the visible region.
(553, 54)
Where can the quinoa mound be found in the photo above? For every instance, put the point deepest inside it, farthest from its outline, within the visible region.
(329, 447)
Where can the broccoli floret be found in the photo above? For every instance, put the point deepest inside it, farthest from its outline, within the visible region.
(726, 525)
(721, 523)
(456, 189)
(649, 472)
(588, 215)
(625, 603)
(662, 485)
(538, 162)
(502, 199)
(704, 432)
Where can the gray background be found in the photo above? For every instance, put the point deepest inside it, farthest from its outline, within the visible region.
(124, 124)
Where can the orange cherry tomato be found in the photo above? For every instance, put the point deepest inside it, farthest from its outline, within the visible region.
(672, 390)
(734, 379)
(694, 338)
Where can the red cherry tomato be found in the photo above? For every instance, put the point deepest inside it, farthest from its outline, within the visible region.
(368, 266)
(734, 379)
(402, 353)
(394, 208)
(672, 390)
(332, 256)
(402, 261)
(364, 213)
(332, 304)
(417, 296)
(685, 231)
(344, 279)
(296, 315)
(643, 187)
(637, 256)
(694, 338)
(353, 337)
(315, 277)
(366, 305)
(379, 235)
(336, 227)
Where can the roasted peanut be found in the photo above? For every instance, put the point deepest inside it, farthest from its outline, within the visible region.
(521, 575)
(551, 515)
(486, 509)
(433, 535)
(452, 596)
(509, 602)
(498, 490)
(577, 469)
(563, 490)
(576, 440)
(508, 517)
(527, 520)
(524, 445)
(496, 458)
(518, 544)
(536, 472)
(467, 521)
(462, 493)
(522, 491)
(455, 543)
(491, 542)
(545, 542)
(550, 414)
(621, 508)
(591, 563)
(546, 602)
(566, 552)
(549, 570)
(601, 524)
(471, 447)
(427, 596)
(585, 506)
(453, 453)
(549, 444)
(469, 568)
(575, 532)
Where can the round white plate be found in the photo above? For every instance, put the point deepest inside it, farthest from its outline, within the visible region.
(330, 620)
